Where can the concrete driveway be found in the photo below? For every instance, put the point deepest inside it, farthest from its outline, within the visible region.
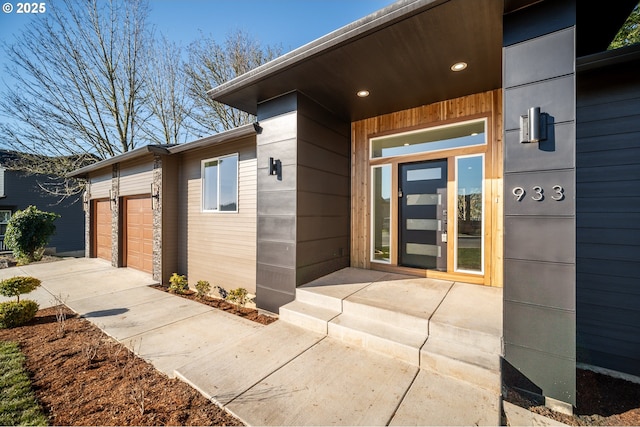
(278, 374)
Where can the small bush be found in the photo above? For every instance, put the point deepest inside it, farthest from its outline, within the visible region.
(28, 232)
(14, 286)
(239, 297)
(14, 313)
(178, 283)
(202, 287)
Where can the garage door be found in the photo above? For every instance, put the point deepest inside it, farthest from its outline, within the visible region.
(139, 238)
(102, 229)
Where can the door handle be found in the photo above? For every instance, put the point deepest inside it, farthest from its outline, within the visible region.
(400, 192)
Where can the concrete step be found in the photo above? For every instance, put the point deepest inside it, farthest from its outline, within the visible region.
(396, 318)
(307, 316)
(381, 337)
(314, 296)
(461, 361)
(465, 335)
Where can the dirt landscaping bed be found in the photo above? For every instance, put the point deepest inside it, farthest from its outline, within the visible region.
(82, 377)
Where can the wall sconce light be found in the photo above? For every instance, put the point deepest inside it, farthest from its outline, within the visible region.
(112, 198)
(155, 196)
(275, 167)
(533, 126)
(85, 200)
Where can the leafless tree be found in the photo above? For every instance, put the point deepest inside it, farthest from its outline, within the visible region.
(79, 87)
(211, 64)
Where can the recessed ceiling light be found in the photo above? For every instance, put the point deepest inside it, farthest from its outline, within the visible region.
(363, 93)
(459, 66)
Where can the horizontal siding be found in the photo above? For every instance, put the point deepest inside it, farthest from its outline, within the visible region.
(100, 185)
(608, 209)
(220, 247)
(136, 177)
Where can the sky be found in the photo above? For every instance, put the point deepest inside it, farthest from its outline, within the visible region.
(286, 23)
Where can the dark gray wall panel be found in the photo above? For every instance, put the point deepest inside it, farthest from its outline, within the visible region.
(546, 180)
(539, 237)
(557, 152)
(277, 254)
(540, 283)
(526, 63)
(555, 97)
(310, 204)
(322, 182)
(274, 227)
(535, 326)
(550, 239)
(277, 202)
(553, 376)
(321, 227)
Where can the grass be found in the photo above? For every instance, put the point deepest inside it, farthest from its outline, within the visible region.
(469, 258)
(18, 405)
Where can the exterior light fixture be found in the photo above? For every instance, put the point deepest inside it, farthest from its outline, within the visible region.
(533, 126)
(459, 66)
(362, 93)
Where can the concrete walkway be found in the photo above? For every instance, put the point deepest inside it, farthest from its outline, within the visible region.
(265, 375)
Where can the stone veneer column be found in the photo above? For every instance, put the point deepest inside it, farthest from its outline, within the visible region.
(156, 204)
(115, 216)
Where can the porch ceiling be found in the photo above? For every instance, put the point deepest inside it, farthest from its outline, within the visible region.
(402, 55)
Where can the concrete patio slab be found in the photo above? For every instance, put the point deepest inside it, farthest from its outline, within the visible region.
(342, 283)
(435, 400)
(234, 367)
(329, 384)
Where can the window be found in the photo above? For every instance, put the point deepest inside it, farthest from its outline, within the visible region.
(381, 213)
(470, 214)
(220, 184)
(432, 139)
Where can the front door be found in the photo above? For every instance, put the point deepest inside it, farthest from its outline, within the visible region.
(423, 215)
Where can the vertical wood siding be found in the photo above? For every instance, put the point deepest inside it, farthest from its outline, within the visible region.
(608, 213)
(487, 103)
(219, 247)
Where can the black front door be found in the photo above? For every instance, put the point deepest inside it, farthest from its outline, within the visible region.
(423, 215)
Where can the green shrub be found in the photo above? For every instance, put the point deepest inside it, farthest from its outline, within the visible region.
(28, 232)
(178, 283)
(239, 297)
(203, 287)
(14, 313)
(14, 286)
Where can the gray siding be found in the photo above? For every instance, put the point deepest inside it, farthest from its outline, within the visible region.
(22, 190)
(539, 236)
(608, 226)
(303, 215)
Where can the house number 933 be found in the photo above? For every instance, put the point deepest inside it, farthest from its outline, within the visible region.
(538, 193)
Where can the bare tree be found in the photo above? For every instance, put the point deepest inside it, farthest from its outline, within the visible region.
(169, 101)
(211, 64)
(79, 84)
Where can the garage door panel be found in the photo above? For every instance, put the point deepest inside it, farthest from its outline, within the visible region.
(139, 226)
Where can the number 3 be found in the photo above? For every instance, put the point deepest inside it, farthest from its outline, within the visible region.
(538, 196)
(559, 192)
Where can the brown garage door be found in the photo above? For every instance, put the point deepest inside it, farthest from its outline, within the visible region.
(139, 238)
(102, 229)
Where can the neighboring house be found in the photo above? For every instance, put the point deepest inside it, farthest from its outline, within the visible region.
(19, 189)
(487, 142)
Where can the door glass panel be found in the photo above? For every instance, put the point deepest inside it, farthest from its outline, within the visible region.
(423, 224)
(469, 252)
(424, 174)
(381, 213)
(423, 199)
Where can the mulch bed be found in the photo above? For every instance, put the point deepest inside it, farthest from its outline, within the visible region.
(602, 400)
(83, 377)
(246, 312)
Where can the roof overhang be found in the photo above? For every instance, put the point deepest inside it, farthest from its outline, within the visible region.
(401, 54)
(220, 138)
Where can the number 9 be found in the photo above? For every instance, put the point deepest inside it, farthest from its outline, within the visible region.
(519, 193)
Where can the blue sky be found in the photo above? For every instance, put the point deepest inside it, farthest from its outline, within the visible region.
(289, 23)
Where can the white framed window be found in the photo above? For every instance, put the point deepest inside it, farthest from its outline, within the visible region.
(220, 184)
(381, 232)
(5, 216)
(469, 224)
